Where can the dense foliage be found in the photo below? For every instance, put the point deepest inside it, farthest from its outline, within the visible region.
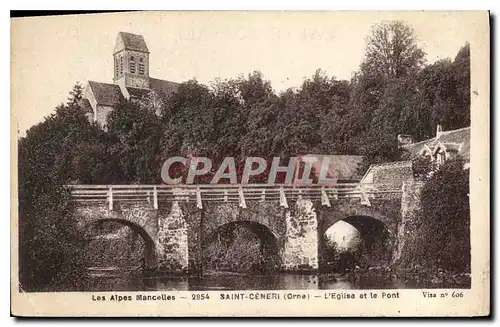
(446, 210)
(238, 249)
(64, 147)
(393, 92)
(443, 221)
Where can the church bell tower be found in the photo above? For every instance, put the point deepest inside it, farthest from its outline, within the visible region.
(131, 61)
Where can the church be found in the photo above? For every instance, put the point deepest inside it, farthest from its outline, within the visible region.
(131, 80)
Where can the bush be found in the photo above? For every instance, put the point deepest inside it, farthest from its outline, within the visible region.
(439, 235)
(49, 157)
(446, 217)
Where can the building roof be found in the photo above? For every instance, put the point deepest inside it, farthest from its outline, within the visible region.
(137, 93)
(162, 87)
(389, 173)
(106, 94)
(415, 148)
(457, 140)
(344, 167)
(85, 105)
(133, 42)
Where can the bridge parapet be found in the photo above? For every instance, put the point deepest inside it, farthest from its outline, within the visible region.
(239, 193)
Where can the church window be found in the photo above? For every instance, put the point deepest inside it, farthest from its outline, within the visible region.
(441, 156)
(132, 64)
(141, 66)
(116, 67)
(121, 65)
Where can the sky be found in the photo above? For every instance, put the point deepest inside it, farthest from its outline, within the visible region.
(50, 54)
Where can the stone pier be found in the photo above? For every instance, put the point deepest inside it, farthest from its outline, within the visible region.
(410, 205)
(301, 242)
(172, 241)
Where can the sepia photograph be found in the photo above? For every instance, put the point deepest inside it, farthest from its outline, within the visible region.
(234, 156)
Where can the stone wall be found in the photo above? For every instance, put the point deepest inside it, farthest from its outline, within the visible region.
(301, 243)
(102, 113)
(172, 240)
(165, 231)
(410, 204)
(89, 95)
(268, 214)
(143, 216)
(193, 217)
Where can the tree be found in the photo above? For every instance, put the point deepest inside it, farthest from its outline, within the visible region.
(462, 79)
(394, 114)
(366, 94)
(76, 94)
(260, 140)
(189, 131)
(135, 133)
(254, 89)
(383, 89)
(446, 217)
(154, 102)
(443, 95)
(48, 246)
(392, 52)
(423, 167)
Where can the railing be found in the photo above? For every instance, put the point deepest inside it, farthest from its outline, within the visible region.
(227, 193)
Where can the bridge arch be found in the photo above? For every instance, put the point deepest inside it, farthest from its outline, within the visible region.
(386, 211)
(150, 259)
(254, 242)
(359, 239)
(264, 232)
(269, 215)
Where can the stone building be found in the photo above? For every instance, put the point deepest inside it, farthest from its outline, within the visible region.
(131, 80)
(444, 146)
(341, 168)
(395, 173)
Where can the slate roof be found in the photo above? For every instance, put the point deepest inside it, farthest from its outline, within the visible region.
(163, 87)
(136, 92)
(134, 42)
(415, 148)
(343, 167)
(86, 106)
(394, 173)
(456, 140)
(106, 94)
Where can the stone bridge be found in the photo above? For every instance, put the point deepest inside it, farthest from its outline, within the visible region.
(177, 222)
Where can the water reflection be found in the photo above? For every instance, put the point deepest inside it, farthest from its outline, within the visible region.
(136, 282)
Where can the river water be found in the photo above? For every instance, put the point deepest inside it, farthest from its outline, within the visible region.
(133, 281)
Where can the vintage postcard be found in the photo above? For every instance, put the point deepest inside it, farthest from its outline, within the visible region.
(251, 164)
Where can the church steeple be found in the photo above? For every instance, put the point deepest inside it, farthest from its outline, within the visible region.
(131, 61)
(131, 81)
